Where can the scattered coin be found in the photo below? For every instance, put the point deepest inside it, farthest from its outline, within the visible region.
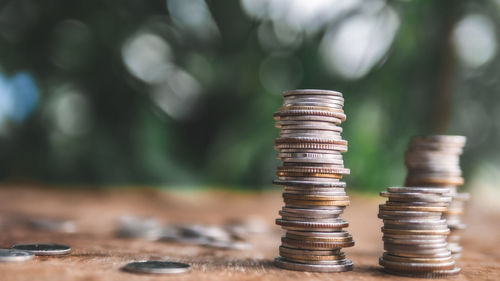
(140, 227)
(157, 267)
(228, 236)
(13, 255)
(60, 225)
(44, 249)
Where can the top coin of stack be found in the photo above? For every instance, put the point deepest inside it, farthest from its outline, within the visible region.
(310, 147)
(434, 161)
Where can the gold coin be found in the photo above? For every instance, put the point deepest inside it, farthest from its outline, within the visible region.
(316, 203)
(312, 175)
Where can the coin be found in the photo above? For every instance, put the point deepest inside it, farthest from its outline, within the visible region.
(311, 92)
(304, 203)
(315, 196)
(315, 245)
(426, 274)
(309, 183)
(60, 225)
(313, 170)
(310, 140)
(313, 213)
(328, 191)
(324, 252)
(310, 258)
(312, 225)
(413, 266)
(44, 249)
(12, 255)
(283, 263)
(298, 112)
(157, 267)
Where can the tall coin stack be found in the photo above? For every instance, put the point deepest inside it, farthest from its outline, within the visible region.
(415, 232)
(434, 161)
(310, 147)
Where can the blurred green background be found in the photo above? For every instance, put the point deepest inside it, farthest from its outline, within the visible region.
(182, 92)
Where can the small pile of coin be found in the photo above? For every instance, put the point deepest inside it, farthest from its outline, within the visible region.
(310, 147)
(434, 161)
(228, 236)
(415, 232)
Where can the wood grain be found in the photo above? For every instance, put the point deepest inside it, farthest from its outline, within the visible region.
(99, 255)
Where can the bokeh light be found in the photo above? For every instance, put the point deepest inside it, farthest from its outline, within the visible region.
(475, 40)
(353, 49)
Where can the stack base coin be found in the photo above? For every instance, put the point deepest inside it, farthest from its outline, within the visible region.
(345, 265)
(430, 275)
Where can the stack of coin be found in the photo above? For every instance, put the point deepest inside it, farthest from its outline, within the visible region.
(415, 232)
(310, 147)
(434, 161)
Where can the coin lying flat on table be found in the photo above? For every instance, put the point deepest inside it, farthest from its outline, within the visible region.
(13, 255)
(60, 225)
(44, 249)
(157, 267)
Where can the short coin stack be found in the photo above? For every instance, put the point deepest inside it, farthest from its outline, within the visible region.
(310, 147)
(434, 161)
(415, 232)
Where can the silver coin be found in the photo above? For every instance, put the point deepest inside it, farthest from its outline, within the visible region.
(311, 92)
(233, 245)
(315, 213)
(283, 263)
(308, 125)
(460, 140)
(333, 105)
(313, 98)
(60, 225)
(425, 274)
(312, 118)
(12, 255)
(44, 249)
(140, 227)
(409, 213)
(416, 244)
(320, 234)
(157, 267)
(416, 266)
(307, 101)
(310, 155)
(436, 190)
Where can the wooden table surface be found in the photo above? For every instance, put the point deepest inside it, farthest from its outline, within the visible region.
(99, 255)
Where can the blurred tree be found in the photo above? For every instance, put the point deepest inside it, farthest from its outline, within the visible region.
(181, 92)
